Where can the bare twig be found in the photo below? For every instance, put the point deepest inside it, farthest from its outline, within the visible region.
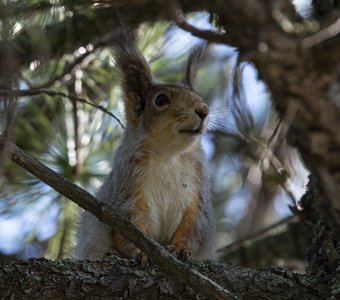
(103, 212)
(322, 35)
(31, 92)
(178, 17)
(254, 236)
(275, 140)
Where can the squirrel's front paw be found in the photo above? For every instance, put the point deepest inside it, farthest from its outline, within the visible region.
(143, 259)
(182, 252)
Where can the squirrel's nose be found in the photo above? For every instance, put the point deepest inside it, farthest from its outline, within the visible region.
(202, 111)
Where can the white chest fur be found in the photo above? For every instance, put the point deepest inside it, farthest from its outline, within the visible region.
(169, 186)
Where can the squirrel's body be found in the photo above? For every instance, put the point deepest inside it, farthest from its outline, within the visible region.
(159, 177)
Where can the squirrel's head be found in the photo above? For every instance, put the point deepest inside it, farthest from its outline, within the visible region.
(171, 117)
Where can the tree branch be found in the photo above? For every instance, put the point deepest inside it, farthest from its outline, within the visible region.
(115, 278)
(67, 69)
(161, 256)
(179, 18)
(283, 241)
(104, 41)
(322, 35)
(82, 29)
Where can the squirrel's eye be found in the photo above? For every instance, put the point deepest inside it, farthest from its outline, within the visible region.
(162, 99)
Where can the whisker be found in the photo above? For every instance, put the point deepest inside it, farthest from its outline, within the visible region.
(220, 109)
(220, 124)
(232, 161)
(224, 133)
(222, 139)
(220, 120)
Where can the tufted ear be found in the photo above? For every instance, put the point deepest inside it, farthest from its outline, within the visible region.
(135, 75)
(196, 56)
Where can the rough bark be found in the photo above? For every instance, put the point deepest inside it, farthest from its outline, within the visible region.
(323, 252)
(118, 278)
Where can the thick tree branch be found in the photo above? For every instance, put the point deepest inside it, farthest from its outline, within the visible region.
(115, 278)
(161, 256)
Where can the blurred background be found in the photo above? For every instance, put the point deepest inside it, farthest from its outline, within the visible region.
(257, 179)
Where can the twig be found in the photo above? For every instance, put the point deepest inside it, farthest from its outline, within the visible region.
(278, 135)
(102, 41)
(67, 69)
(10, 117)
(32, 92)
(110, 217)
(322, 35)
(239, 243)
(178, 17)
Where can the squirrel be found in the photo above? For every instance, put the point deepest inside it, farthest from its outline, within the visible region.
(159, 178)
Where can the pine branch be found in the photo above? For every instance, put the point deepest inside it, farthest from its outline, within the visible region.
(103, 41)
(33, 92)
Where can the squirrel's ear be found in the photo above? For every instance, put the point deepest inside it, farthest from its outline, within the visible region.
(196, 56)
(135, 75)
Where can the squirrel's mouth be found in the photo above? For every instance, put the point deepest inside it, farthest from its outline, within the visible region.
(198, 130)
